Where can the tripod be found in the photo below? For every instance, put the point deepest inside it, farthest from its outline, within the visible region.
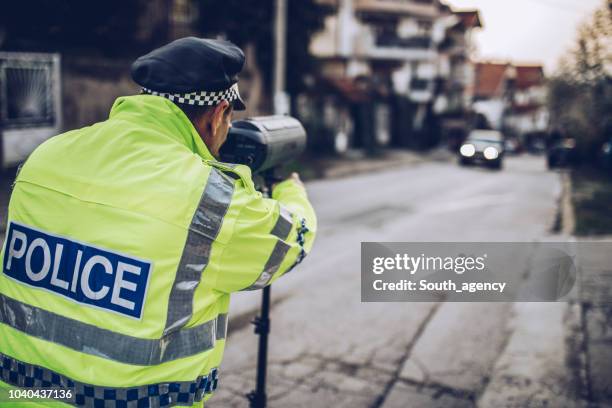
(257, 398)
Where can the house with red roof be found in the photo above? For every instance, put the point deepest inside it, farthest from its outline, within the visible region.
(512, 97)
(528, 113)
(493, 91)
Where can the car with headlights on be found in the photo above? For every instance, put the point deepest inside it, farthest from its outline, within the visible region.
(483, 147)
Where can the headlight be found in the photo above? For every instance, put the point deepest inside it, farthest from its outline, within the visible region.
(467, 150)
(491, 153)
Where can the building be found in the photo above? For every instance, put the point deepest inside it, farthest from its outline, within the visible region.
(529, 114)
(512, 97)
(407, 55)
(493, 87)
(456, 75)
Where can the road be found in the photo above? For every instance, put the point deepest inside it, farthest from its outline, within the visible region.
(327, 349)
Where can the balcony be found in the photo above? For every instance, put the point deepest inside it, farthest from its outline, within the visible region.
(420, 90)
(420, 8)
(423, 96)
(389, 46)
(410, 42)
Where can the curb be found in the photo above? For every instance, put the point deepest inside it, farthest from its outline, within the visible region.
(350, 170)
(568, 217)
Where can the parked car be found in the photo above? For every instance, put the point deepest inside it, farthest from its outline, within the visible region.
(512, 146)
(562, 153)
(484, 147)
(605, 155)
(536, 142)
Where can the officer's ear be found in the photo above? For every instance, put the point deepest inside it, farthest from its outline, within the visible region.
(219, 113)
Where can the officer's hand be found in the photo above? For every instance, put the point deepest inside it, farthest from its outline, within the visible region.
(296, 179)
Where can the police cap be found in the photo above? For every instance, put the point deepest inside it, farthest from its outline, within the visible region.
(192, 71)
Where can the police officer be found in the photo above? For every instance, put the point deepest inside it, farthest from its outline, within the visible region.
(126, 238)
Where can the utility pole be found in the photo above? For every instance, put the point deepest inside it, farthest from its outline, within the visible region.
(346, 29)
(281, 99)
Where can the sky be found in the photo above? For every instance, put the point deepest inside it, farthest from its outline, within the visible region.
(528, 31)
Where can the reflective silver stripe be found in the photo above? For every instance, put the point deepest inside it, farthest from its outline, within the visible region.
(104, 343)
(274, 262)
(221, 326)
(169, 394)
(204, 228)
(281, 229)
(283, 225)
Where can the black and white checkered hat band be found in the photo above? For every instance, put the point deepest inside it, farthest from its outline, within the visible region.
(200, 98)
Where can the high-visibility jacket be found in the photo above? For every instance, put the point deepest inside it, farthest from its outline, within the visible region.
(124, 241)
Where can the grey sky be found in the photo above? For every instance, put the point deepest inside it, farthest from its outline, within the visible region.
(531, 31)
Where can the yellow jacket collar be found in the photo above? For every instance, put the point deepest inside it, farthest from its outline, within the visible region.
(161, 113)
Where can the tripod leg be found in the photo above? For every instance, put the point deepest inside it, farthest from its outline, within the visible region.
(257, 398)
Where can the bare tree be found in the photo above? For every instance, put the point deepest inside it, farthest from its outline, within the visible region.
(580, 97)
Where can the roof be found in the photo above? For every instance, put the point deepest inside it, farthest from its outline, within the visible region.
(489, 79)
(526, 109)
(419, 8)
(469, 18)
(529, 75)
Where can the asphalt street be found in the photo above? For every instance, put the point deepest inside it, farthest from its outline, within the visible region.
(328, 349)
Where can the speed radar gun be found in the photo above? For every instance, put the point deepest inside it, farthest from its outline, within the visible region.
(264, 144)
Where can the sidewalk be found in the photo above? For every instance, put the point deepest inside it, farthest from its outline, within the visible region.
(356, 162)
(583, 213)
(595, 301)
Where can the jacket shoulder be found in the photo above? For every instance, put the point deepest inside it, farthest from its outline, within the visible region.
(237, 172)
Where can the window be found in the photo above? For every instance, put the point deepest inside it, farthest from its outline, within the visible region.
(418, 84)
(27, 94)
(424, 28)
